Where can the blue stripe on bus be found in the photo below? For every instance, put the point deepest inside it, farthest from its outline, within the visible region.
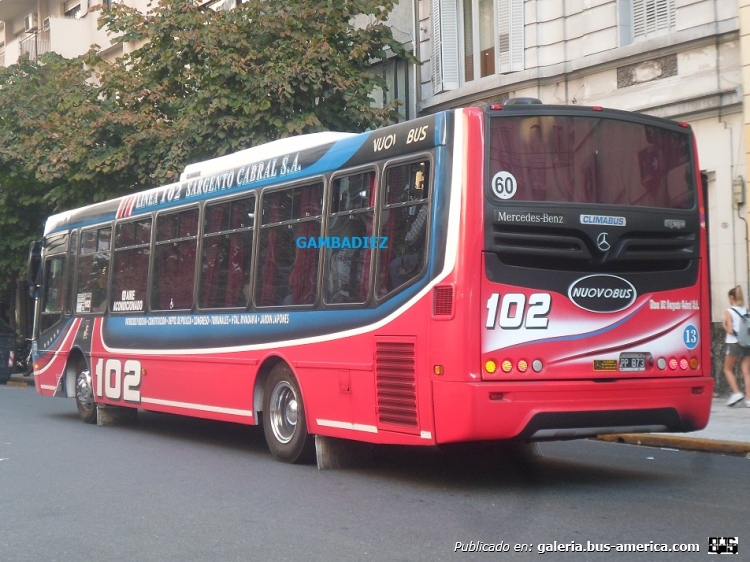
(225, 329)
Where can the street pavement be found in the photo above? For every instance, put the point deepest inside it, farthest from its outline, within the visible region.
(728, 430)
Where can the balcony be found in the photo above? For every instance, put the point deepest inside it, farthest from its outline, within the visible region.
(69, 37)
(35, 44)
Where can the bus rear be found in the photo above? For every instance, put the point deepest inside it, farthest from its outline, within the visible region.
(593, 284)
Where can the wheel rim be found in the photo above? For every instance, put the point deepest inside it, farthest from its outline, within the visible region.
(284, 412)
(84, 392)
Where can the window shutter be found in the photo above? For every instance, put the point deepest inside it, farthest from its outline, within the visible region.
(444, 45)
(511, 35)
(650, 16)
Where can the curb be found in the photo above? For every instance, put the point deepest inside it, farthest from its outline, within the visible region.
(677, 442)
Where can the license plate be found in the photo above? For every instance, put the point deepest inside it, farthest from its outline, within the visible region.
(632, 361)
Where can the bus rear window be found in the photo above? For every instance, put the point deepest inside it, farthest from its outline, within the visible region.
(591, 160)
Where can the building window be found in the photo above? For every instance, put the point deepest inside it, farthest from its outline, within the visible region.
(72, 9)
(395, 72)
(491, 40)
(644, 19)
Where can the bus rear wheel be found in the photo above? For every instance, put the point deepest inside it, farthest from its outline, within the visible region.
(284, 422)
(85, 396)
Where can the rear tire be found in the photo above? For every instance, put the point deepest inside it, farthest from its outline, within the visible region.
(284, 422)
(85, 395)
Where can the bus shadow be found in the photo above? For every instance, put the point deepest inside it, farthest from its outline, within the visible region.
(460, 467)
(226, 435)
(477, 467)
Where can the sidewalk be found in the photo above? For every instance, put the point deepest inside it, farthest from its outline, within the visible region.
(728, 431)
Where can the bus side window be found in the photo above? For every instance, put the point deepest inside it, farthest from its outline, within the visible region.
(348, 255)
(227, 254)
(174, 260)
(130, 266)
(52, 298)
(288, 265)
(403, 225)
(93, 270)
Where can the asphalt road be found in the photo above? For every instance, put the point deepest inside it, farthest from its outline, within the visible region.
(183, 489)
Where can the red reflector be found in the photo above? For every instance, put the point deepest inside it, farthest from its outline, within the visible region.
(697, 390)
(442, 304)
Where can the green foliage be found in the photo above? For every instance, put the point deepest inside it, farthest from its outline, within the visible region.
(227, 80)
(203, 83)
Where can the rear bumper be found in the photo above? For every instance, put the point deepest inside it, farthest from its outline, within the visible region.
(481, 411)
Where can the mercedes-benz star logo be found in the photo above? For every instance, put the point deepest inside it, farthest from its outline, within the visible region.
(601, 242)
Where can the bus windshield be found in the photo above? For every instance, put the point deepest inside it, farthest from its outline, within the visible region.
(592, 160)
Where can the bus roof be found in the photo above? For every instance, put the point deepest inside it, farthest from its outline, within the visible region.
(261, 152)
(289, 159)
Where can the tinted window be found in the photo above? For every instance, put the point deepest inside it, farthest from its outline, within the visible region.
(287, 269)
(52, 298)
(130, 266)
(403, 224)
(93, 270)
(227, 254)
(592, 160)
(349, 239)
(174, 260)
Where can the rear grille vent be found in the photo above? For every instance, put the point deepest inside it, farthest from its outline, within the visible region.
(571, 250)
(396, 384)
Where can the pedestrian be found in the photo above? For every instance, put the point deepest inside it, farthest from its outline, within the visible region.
(734, 351)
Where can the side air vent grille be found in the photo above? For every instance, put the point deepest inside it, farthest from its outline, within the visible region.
(443, 301)
(396, 384)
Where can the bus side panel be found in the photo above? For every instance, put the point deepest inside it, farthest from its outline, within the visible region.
(209, 385)
(372, 387)
(52, 352)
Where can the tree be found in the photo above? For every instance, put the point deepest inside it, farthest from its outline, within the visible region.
(227, 80)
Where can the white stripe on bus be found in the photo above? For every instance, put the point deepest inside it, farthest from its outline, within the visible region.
(347, 425)
(200, 407)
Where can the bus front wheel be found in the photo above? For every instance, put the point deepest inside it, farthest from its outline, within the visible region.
(85, 396)
(284, 418)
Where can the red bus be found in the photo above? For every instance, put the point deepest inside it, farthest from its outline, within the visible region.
(516, 272)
